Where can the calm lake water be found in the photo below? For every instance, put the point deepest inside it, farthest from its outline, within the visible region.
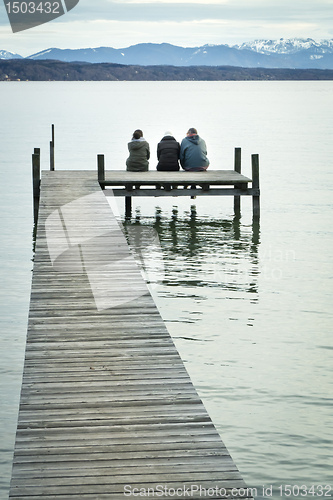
(249, 307)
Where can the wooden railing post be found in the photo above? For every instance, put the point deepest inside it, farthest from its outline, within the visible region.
(238, 169)
(101, 170)
(52, 150)
(36, 182)
(255, 186)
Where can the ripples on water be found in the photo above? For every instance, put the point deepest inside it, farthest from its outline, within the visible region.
(227, 304)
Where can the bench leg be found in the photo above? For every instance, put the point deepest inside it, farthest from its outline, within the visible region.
(128, 206)
(237, 204)
(256, 206)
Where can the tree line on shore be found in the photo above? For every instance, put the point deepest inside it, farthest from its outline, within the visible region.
(50, 70)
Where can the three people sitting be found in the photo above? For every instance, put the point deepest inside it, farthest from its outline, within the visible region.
(192, 153)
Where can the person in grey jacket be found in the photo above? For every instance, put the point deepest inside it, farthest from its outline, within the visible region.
(193, 152)
(139, 153)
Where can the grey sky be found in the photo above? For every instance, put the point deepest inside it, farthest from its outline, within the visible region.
(120, 23)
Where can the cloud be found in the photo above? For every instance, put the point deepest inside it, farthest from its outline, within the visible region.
(120, 23)
(192, 10)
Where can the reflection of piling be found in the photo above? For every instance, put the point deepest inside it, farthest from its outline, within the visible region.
(36, 182)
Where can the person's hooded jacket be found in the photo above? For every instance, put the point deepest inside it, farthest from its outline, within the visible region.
(168, 154)
(139, 154)
(193, 153)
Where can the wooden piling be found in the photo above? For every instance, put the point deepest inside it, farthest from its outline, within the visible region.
(238, 169)
(128, 206)
(52, 150)
(36, 182)
(101, 170)
(255, 186)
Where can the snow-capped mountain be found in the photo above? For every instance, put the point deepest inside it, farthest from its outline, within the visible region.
(287, 46)
(284, 53)
(4, 54)
(294, 52)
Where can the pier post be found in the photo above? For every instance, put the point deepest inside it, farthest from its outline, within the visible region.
(128, 206)
(52, 150)
(101, 170)
(237, 168)
(255, 186)
(36, 182)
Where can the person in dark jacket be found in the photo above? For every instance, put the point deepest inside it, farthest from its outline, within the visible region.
(193, 152)
(168, 153)
(139, 153)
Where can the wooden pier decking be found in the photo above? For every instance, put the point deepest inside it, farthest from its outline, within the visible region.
(107, 408)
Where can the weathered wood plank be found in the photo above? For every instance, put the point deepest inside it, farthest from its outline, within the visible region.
(181, 178)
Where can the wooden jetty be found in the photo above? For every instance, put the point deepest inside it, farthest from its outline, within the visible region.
(207, 183)
(107, 409)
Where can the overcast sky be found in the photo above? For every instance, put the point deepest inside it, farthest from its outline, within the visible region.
(189, 23)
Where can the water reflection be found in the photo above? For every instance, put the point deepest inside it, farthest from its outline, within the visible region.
(190, 250)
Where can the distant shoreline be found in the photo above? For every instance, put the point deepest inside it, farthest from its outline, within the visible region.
(51, 70)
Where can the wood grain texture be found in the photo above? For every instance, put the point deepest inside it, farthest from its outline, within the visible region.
(106, 401)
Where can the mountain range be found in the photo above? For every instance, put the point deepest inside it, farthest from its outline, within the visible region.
(295, 53)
